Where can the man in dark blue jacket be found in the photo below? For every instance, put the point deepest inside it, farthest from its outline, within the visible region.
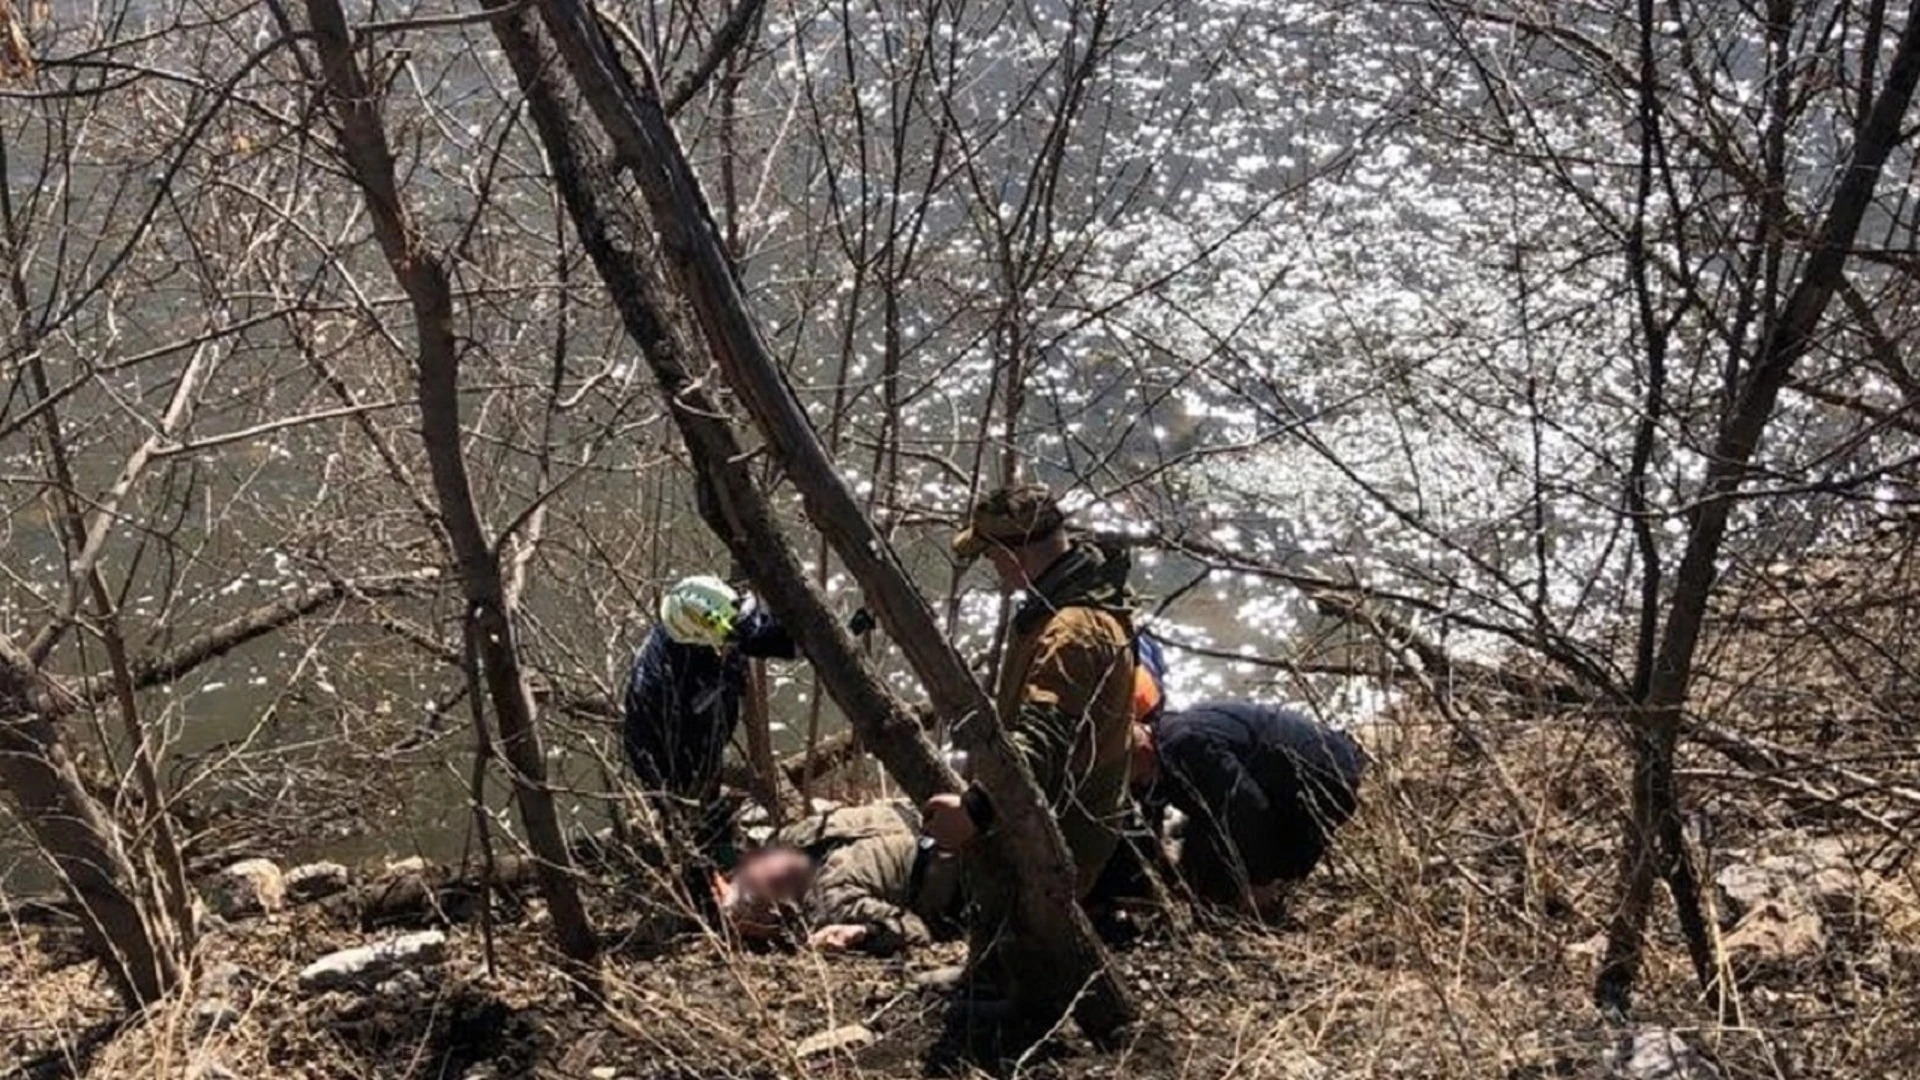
(1262, 788)
(683, 699)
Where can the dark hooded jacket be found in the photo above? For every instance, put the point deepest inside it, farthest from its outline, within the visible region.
(683, 703)
(1263, 789)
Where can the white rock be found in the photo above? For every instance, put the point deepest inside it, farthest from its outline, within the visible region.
(369, 965)
(213, 1015)
(249, 887)
(940, 978)
(1657, 1053)
(316, 881)
(402, 984)
(603, 1072)
(850, 1037)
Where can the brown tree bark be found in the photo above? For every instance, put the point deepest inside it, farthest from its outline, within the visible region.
(618, 241)
(1655, 834)
(74, 831)
(1058, 961)
(423, 276)
(763, 769)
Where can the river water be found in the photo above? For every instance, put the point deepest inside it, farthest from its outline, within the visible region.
(337, 737)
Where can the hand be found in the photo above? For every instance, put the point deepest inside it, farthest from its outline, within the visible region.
(948, 823)
(839, 937)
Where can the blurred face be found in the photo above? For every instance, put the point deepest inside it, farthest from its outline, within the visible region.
(775, 876)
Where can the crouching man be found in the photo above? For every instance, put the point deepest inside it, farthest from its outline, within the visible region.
(683, 701)
(858, 878)
(1262, 788)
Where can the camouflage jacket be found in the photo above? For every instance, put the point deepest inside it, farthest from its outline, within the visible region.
(872, 871)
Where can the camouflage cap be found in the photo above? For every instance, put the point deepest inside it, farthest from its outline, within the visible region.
(1011, 517)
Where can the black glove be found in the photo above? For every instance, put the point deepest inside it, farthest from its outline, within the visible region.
(861, 624)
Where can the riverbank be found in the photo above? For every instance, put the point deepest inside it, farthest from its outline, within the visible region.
(1454, 934)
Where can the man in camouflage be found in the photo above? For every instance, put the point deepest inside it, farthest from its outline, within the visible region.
(1066, 689)
(859, 877)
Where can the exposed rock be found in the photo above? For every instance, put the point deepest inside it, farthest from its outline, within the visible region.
(836, 1040)
(316, 881)
(213, 1015)
(407, 867)
(1657, 1053)
(370, 965)
(220, 992)
(223, 979)
(1771, 936)
(1588, 951)
(249, 887)
(941, 978)
(603, 1072)
(1822, 877)
(403, 984)
(1745, 887)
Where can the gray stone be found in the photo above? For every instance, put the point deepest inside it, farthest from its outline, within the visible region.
(940, 978)
(1774, 937)
(1745, 887)
(213, 1015)
(1657, 1053)
(370, 965)
(222, 979)
(249, 887)
(1822, 877)
(316, 881)
(402, 984)
(836, 1040)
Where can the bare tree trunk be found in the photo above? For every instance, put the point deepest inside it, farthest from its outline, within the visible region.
(1058, 961)
(1067, 965)
(763, 769)
(137, 951)
(423, 276)
(76, 832)
(731, 503)
(1657, 823)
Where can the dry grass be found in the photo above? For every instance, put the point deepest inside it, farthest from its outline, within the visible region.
(1453, 935)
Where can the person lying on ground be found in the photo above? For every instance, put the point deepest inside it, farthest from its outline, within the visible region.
(1263, 789)
(683, 701)
(1068, 679)
(859, 877)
